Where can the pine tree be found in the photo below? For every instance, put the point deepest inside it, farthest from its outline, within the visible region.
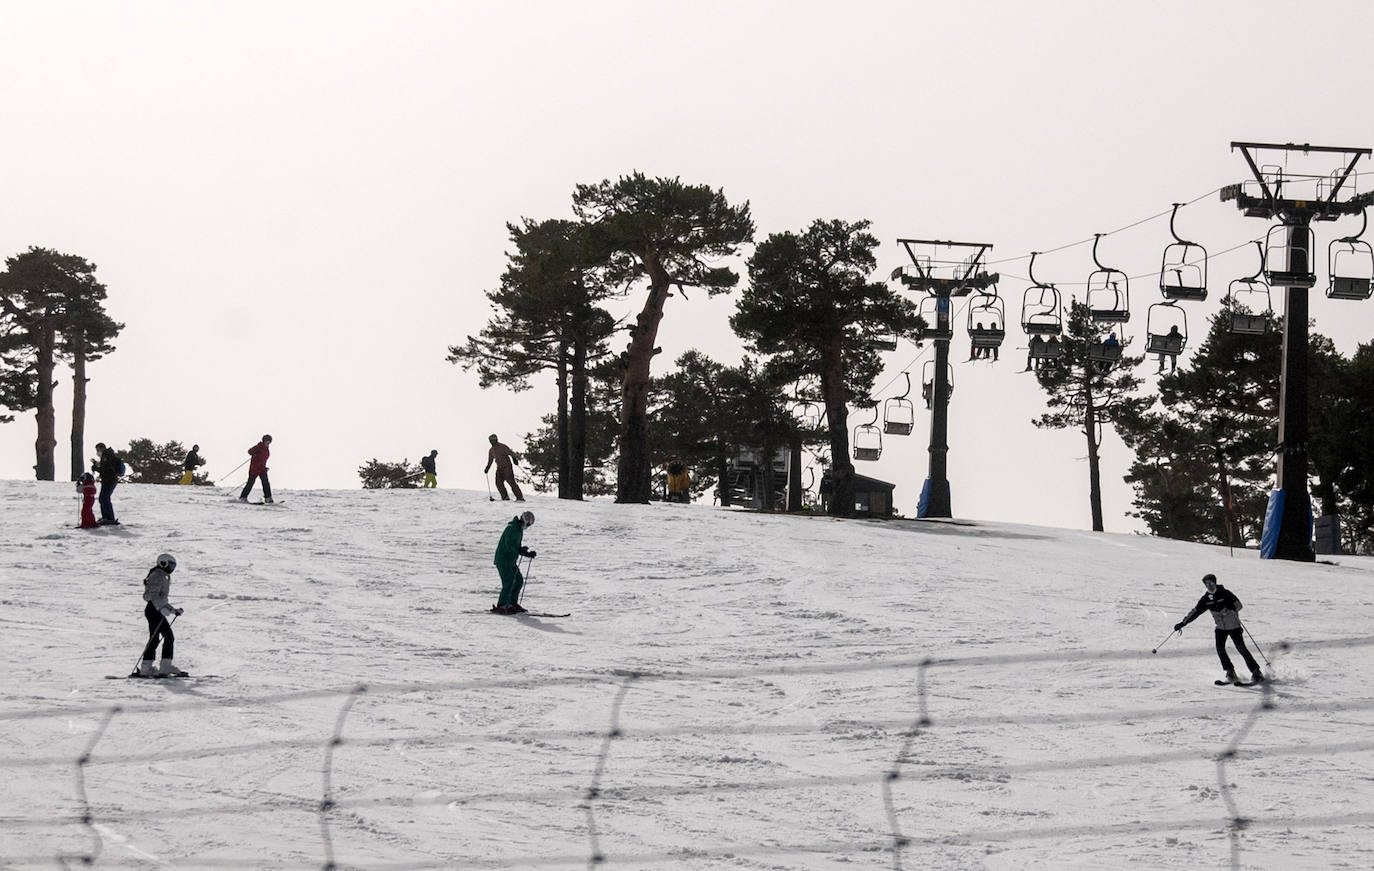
(152, 463)
(1342, 438)
(88, 335)
(1212, 434)
(666, 232)
(379, 475)
(813, 311)
(547, 317)
(49, 308)
(543, 458)
(1087, 394)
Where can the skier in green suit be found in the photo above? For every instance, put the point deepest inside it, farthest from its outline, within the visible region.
(508, 553)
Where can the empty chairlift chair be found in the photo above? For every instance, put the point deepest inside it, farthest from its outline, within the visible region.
(1288, 256)
(899, 414)
(1109, 292)
(1183, 268)
(868, 439)
(1351, 264)
(1249, 309)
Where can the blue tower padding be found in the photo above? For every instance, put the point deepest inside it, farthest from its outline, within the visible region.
(923, 504)
(1273, 521)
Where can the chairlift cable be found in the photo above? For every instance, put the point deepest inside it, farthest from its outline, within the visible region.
(1129, 226)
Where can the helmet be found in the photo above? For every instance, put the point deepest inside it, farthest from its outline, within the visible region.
(527, 519)
(87, 477)
(492, 437)
(166, 562)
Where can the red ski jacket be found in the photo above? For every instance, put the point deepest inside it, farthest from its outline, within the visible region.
(259, 452)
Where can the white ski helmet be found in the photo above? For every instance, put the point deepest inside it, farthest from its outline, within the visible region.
(527, 519)
(166, 562)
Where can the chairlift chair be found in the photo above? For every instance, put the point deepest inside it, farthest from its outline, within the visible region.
(1042, 309)
(1105, 353)
(929, 310)
(899, 414)
(928, 382)
(1109, 292)
(986, 321)
(1288, 256)
(868, 439)
(1183, 268)
(1350, 263)
(1166, 329)
(1249, 308)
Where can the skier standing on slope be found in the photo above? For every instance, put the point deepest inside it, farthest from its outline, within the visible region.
(158, 612)
(257, 468)
(110, 467)
(188, 467)
(1225, 608)
(503, 457)
(428, 465)
(87, 487)
(508, 553)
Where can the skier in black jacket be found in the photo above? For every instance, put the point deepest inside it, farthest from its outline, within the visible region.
(109, 466)
(1225, 608)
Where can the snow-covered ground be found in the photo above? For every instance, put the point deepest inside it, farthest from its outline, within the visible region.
(732, 690)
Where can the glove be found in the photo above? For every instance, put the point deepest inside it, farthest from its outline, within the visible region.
(524, 551)
(532, 554)
(1178, 627)
(178, 611)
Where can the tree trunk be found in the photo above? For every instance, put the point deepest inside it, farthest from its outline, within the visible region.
(45, 466)
(837, 413)
(1094, 468)
(79, 380)
(561, 417)
(794, 484)
(577, 425)
(634, 477)
(723, 479)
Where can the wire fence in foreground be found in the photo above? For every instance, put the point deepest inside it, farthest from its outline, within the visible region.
(901, 844)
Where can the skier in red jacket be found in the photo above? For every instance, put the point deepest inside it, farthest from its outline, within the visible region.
(257, 468)
(87, 487)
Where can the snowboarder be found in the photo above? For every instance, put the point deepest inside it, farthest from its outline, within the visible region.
(1225, 608)
(188, 467)
(158, 612)
(427, 464)
(87, 487)
(503, 457)
(508, 553)
(110, 467)
(257, 468)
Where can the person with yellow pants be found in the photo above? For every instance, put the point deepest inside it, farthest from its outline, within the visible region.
(427, 464)
(193, 461)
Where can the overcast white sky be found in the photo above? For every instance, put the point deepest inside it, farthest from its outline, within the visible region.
(297, 206)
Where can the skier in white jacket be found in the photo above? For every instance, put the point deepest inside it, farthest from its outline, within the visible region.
(159, 612)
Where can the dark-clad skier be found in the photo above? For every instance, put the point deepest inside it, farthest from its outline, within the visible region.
(1225, 608)
(508, 553)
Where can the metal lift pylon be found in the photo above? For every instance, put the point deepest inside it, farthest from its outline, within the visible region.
(1288, 519)
(943, 280)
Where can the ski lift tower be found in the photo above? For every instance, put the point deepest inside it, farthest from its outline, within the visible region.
(943, 280)
(1288, 264)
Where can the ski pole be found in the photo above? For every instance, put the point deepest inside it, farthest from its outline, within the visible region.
(529, 570)
(490, 498)
(1165, 641)
(1257, 647)
(235, 469)
(152, 635)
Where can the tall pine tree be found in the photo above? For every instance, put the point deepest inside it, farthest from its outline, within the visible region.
(547, 316)
(668, 233)
(812, 309)
(1087, 394)
(50, 308)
